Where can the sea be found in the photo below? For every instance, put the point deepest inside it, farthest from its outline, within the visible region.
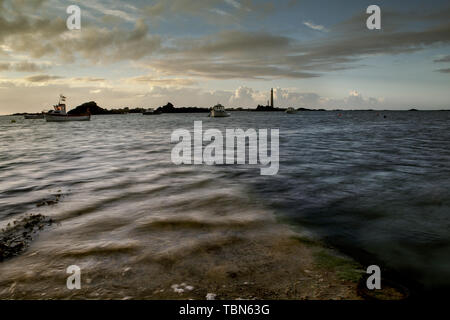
(372, 184)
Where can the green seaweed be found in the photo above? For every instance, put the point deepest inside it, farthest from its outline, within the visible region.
(345, 268)
(306, 241)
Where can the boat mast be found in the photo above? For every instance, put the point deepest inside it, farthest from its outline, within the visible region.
(60, 105)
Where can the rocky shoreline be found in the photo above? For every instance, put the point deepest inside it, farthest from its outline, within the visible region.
(276, 265)
(268, 262)
(17, 236)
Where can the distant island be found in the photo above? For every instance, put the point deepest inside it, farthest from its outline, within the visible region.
(94, 109)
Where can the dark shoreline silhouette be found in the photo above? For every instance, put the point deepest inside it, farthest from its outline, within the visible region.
(94, 109)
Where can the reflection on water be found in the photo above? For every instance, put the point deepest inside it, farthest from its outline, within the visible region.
(376, 187)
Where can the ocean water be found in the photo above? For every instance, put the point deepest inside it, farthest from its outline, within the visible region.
(376, 185)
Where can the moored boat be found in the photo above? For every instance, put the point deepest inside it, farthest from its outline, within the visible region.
(151, 111)
(59, 113)
(35, 116)
(218, 111)
(291, 110)
(52, 117)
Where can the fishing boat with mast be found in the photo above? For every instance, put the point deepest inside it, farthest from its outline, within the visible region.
(59, 114)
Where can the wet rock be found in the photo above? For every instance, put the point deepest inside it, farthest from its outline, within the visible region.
(211, 296)
(50, 201)
(176, 288)
(181, 288)
(16, 238)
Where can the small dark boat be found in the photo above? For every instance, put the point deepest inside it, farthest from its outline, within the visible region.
(35, 116)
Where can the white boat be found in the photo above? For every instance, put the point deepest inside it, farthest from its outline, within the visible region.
(218, 111)
(59, 113)
(291, 110)
(151, 111)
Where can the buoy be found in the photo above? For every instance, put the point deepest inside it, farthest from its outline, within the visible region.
(13, 121)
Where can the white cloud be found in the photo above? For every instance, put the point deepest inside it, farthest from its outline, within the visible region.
(219, 12)
(108, 9)
(356, 100)
(243, 97)
(234, 3)
(313, 26)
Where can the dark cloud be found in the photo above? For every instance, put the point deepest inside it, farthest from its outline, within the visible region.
(162, 82)
(239, 42)
(89, 79)
(392, 20)
(42, 78)
(226, 69)
(24, 66)
(444, 70)
(106, 45)
(5, 66)
(237, 8)
(349, 49)
(237, 54)
(443, 59)
(228, 54)
(38, 36)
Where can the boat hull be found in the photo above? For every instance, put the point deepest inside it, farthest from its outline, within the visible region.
(220, 114)
(68, 117)
(34, 116)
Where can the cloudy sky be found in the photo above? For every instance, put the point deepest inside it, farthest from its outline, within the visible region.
(139, 53)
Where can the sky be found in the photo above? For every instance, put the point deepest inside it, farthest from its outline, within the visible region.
(315, 54)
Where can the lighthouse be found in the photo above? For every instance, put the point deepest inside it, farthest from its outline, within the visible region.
(271, 97)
